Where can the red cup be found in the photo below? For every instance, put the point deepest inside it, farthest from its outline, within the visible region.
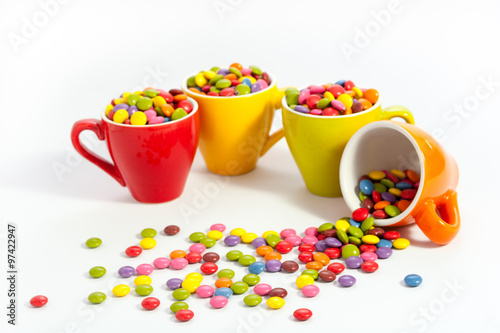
(152, 160)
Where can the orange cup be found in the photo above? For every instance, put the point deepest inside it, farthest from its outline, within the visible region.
(386, 145)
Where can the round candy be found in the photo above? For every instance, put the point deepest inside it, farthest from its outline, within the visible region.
(197, 236)
(177, 254)
(184, 315)
(227, 273)
(144, 269)
(121, 290)
(218, 302)
(171, 230)
(257, 267)
(209, 268)
(239, 287)
(350, 250)
(197, 248)
(97, 271)
(251, 279)
(97, 297)
(133, 251)
(126, 271)
(223, 282)
(93, 242)
(275, 302)
(302, 314)
(181, 294)
(177, 306)
(174, 283)
(259, 241)
(161, 262)
(150, 303)
(211, 257)
(273, 265)
(232, 240)
(246, 260)
(193, 257)
(179, 263)
(336, 267)
(347, 280)
(413, 280)
(304, 280)
(215, 234)
(401, 243)
(142, 279)
(224, 291)
(205, 291)
(327, 275)
(289, 266)
(278, 292)
(252, 300)
(310, 290)
(219, 227)
(190, 284)
(383, 252)
(148, 233)
(262, 289)
(369, 266)
(38, 301)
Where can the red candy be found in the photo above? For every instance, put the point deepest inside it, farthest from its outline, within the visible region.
(380, 214)
(376, 196)
(284, 247)
(360, 214)
(336, 90)
(184, 315)
(336, 267)
(369, 266)
(408, 194)
(392, 235)
(312, 101)
(321, 237)
(332, 252)
(38, 301)
(306, 256)
(193, 257)
(150, 303)
(186, 105)
(302, 314)
(133, 251)
(367, 248)
(307, 248)
(209, 268)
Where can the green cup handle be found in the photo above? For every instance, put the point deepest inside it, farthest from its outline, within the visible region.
(398, 111)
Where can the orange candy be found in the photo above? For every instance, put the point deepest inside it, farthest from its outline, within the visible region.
(177, 254)
(237, 66)
(180, 97)
(314, 265)
(263, 250)
(348, 111)
(412, 175)
(167, 109)
(365, 103)
(231, 77)
(350, 93)
(273, 256)
(321, 258)
(371, 95)
(381, 205)
(196, 91)
(223, 282)
(403, 204)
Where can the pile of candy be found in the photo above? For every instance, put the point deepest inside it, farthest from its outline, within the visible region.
(149, 107)
(340, 98)
(229, 82)
(355, 239)
(386, 194)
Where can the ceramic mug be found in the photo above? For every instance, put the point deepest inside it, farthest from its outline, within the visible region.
(386, 145)
(317, 142)
(234, 131)
(152, 160)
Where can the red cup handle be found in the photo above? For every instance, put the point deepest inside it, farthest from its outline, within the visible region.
(442, 228)
(95, 126)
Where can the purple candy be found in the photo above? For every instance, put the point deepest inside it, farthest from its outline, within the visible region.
(388, 197)
(333, 242)
(347, 280)
(232, 240)
(131, 110)
(259, 241)
(174, 283)
(120, 106)
(126, 271)
(383, 252)
(256, 87)
(354, 262)
(300, 108)
(273, 265)
(223, 71)
(321, 246)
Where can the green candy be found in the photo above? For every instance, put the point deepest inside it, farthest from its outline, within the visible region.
(93, 242)
(380, 188)
(251, 279)
(243, 89)
(355, 231)
(176, 306)
(97, 271)
(227, 273)
(143, 289)
(132, 99)
(342, 236)
(208, 242)
(362, 196)
(151, 93)
(387, 183)
(323, 103)
(367, 224)
(191, 82)
(235, 71)
(246, 260)
(291, 90)
(239, 287)
(325, 226)
(178, 114)
(223, 83)
(292, 98)
(311, 272)
(347, 219)
(159, 112)
(350, 250)
(197, 237)
(255, 70)
(148, 232)
(181, 294)
(392, 210)
(252, 300)
(354, 240)
(215, 79)
(214, 69)
(144, 103)
(234, 255)
(97, 297)
(272, 240)
(214, 89)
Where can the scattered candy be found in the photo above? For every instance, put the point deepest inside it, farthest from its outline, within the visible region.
(275, 302)
(171, 230)
(121, 290)
(302, 314)
(347, 280)
(184, 315)
(177, 306)
(413, 280)
(218, 302)
(93, 242)
(97, 271)
(150, 303)
(252, 300)
(38, 301)
(97, 297)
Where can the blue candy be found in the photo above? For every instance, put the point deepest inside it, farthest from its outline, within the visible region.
(226, 292)
(384, 243)
(413, 280)
(247, 82)
(366, 187)
(403, 186)
(257, 267)
(341, 82)
(354, 223)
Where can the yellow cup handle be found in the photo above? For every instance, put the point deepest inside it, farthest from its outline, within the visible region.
(398, 111)
(279, 134)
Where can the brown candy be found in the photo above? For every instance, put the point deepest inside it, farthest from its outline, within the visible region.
(379, 232)
(289, 266)
(330, 233)
(327, 275)
(172, 230)
(278, 292)
(211, 257)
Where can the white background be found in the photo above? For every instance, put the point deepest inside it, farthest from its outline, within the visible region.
(429, 56)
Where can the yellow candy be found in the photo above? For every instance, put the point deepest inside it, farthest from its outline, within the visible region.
(147, 243)
(345, 99)
(357, 92)
(195, 276)
(120, 116)
(395, 191)
(200, 80)
(138, 118)
(238, 232)
(140, 93)
(304, 280)
(398, 173)
(108, 108)
(401, 243)
(370, 239)
(209, 75)
(190, 284)
(275, 302)
(215, 234)
(251, 78)
(119, 101)
(142, 279)
(248, 237)
(125, 95)
(267, 233)
(329, 96)
(159, 101)
(342, 225)
(121, 290)
(376, 175)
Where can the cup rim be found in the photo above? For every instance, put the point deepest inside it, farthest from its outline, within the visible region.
(285, 105)
(185, 88)
(195, 110)
(354, 204)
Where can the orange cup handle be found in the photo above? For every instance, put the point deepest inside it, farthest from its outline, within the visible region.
(442, 228)
(279, 134)
(95, 126)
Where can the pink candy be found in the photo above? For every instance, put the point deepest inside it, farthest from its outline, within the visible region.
(317, 89)
(262, 289)
(197, 248)
(218, 226)
(179, 263)
(311, 240)
(144, 269)
(303, 95)
(295, 240)
(161, 263)
(205, 291)
(310, 290)
(156, 120)
(312, 231)
(287, 232)
(369, 256)
(247, 72)
(218, 302)
(150, 114)
(263, 84)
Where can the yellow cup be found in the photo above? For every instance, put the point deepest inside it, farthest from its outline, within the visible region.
(234, 131)
(317, 142)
